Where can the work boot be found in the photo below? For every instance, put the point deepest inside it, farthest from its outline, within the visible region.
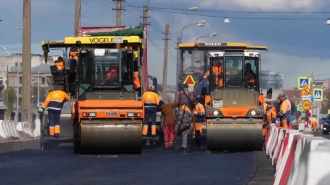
(57, 136)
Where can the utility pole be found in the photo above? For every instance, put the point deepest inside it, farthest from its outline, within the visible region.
(118, 9)
(26, 63)
(164, 94)
(77, 17)
(145, 42)
(178, 66)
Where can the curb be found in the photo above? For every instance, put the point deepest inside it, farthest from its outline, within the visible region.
(18, 145)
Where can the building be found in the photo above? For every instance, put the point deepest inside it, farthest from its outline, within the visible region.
(326, 84)
(10, 63)
(15, 81)
(318, 84)
(271, 79)
(293, 95)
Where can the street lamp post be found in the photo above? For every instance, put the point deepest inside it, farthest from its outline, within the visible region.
(17, 88)
(211, 35)
(167, 31)
(178, 55)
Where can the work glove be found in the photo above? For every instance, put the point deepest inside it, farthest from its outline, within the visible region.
(41, 110)
(45, 112)
(195, 112)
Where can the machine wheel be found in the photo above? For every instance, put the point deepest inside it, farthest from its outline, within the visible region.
(76, 136)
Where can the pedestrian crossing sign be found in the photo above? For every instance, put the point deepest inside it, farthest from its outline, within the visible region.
(302, 81)
(318, 94)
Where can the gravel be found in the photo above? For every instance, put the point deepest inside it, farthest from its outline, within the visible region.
(23, 135)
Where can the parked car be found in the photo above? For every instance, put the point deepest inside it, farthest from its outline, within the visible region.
(326, 124)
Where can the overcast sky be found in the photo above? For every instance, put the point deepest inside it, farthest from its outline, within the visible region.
(296, 47)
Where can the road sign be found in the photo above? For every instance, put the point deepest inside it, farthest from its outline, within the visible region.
(302, 81)
(307, 105)
(306, 91)
(318, 94)
(306, 97)
(189, 81)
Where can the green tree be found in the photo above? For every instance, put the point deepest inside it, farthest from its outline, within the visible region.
(11, 100)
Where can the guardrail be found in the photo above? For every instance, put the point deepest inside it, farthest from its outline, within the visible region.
(11, 131)
(298, 158)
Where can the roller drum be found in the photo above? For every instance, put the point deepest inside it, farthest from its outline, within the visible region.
(111, 138)
(234, 137)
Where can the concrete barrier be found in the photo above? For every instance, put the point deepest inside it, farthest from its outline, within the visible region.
(18, 145)
(298, 158)
(8, 129)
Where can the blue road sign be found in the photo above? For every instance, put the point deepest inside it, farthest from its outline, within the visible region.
(302, 81)
(318, 94)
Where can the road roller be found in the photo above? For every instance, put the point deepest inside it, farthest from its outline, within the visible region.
(103, 79)
(231, 92)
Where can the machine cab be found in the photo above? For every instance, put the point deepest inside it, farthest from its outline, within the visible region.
(232, 70)
(105, 70)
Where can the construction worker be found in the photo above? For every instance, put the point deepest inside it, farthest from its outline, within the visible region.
(298, 114)
(314, 123)
(217, 71)
(285, 111)
(185, 96)
(151, 101)
(199, 113)
(184, 125)
(60, 64)
(112, 77)
(167, 110)
(270, 116)
(249, 75)
(54, 103)
(137, 83)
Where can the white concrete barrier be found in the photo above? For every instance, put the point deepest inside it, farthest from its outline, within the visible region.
(318, 165)
(36, 131)
(301, 175)
(25, 127)
(8, 129)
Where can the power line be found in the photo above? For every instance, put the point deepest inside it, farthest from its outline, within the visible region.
(152, 42)
(250, 18)
(248, 12)
(97, 11)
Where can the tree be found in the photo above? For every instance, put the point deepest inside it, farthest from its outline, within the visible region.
(11, 100)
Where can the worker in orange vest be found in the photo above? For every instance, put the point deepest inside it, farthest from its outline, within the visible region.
(151, 101)
(249, 75)
(60, 64)
(217, 72)
(285, 111)
(199, 114)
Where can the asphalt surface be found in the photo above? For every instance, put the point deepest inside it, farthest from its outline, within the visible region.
(58, 165)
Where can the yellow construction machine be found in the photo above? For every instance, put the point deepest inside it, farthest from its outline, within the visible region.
(227, 83)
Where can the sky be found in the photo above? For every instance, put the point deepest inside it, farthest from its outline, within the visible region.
(297, 42)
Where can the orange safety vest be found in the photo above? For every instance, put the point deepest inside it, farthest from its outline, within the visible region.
(216, 71)
(60, 65)
(137, 83)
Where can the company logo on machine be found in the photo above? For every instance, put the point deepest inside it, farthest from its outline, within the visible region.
(212, 44)
(111, 113)
(99, 40)
(235, 113)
